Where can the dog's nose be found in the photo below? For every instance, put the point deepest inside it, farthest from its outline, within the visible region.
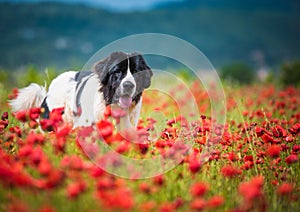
(128, 85)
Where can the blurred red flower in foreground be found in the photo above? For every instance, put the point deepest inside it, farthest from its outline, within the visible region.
(215, 201)
(105, 128)
(230, 171)
(3, 122)
(199, 189)
(295, 129)
(53, 164)
(21, 116)
(274, 151)
(198, 204)
(252, 192)
(291, 159)
(285, 189)
(252, 189)
(76, 188)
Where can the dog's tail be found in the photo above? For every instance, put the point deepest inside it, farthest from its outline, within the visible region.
(28, 97)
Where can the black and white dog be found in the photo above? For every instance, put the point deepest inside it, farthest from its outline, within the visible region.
(118, 80)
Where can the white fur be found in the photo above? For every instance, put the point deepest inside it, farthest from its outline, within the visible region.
(62, 93)
(28, 97)
(135, 113)
(92, 105)
(60, 89)
(129, 77)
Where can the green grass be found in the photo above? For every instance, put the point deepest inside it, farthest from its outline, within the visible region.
(178, 181)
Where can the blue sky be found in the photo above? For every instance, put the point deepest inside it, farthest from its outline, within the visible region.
(119, 5)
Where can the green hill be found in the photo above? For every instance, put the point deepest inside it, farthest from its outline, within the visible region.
(64, 36)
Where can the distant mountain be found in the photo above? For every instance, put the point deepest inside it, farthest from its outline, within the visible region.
(287, 6)
(64, 36)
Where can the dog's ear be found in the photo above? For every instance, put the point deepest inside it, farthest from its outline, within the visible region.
(143, 72)
(144, 76)
(103, 67)
(147, 77)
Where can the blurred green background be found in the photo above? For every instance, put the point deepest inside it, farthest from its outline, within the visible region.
(62, 35)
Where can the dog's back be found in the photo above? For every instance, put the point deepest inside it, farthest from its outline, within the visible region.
(61, 90)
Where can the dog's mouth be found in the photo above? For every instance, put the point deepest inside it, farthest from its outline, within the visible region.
(125, 101)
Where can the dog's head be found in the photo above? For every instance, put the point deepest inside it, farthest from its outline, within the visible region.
(123, 78)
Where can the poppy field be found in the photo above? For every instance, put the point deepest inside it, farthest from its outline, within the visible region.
(252, 163)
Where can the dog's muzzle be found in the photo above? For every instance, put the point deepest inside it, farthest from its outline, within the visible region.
(127, 91)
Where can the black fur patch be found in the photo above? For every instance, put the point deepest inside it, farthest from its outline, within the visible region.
(79, 77)
(45, 110)
(113, 69)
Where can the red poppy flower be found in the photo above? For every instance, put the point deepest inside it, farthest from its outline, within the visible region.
(296, 148)
(21, 116)
(232, 156)
(46, 124)
(117, 113)
(4, 123)
(73, 162)
(295, 129)
(74, 189)
(34, 138)
(178, 203)
(33, 124)
(147, 206)
(109, 198)
(257, 181)
(259, 131)
(199, 189)
(166, 207)
(251, 190)
(291, 159)
(230, 171)
(36, 155)
(171, 122)
(107, 112)
(143, 148)
(17, 130)
(34, 113)
(59, 144)
(285, 189)
(18, 206)
(63, 131)
(279, 131)
(274, 151)
(268, 139)
(215, 201)
(96, 171)
(54, 121)
(44, 167)
(198, 204)
(4, 116)
(289, 139)
(46, 208)
(25, 150)
(145, 188)
(159, 180)
(54, 179)
(13, 94)
(194, 165)
(105, 128)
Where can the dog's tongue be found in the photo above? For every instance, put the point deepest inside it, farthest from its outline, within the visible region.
(125, 101)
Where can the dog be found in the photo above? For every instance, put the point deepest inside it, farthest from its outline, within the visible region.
(118, 80)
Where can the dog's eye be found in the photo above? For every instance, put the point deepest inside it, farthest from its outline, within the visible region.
(116, 75)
